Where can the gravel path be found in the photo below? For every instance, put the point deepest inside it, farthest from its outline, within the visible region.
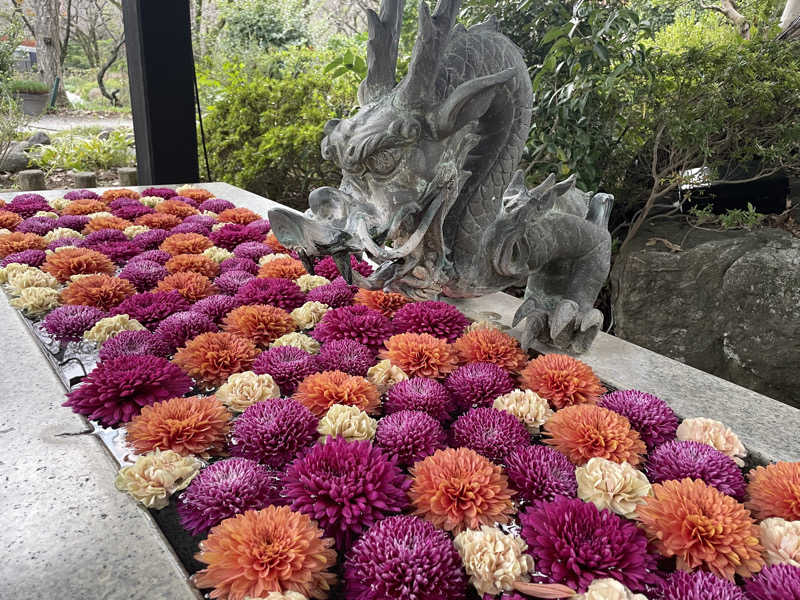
(55, 122)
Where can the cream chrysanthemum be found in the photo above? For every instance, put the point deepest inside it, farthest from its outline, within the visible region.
(245, 389)
(46, 213)
(715, 434)
(218, 226)
(270, 257)
(309, 282)
(133, 230)
(217, 254)
(617, 486)
(156, 475)
(59, 204)
(308, 315)
(101, 213)
(31, 278)
(609, 589)
(36, 301)
(298, 340)
(384, 375)
(527, 406)
(60, 233)
(111, 326)
(781, 541)
(151, 201)
(4, 231)
(9, 272)
(493, 560)
(349, 422)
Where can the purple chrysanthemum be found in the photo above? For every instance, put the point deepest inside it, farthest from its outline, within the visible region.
(131, 211)
(161, 192)
(75, 222)
(698, 585)
(541, 473)
(126, 343)
(80, 195)
(34, 258)
(215, 307)
(68, 323)
(252, 250)
(60, 243)
(345, 355)
(207, 220)
(232, 235)
(440, 319)
(410, 435)
(478, 384)
(157, 256)
(490, 432)
(423, 394)
(359, 323)
(118, 252)
(180, 327)
(262, 226)
(335, 294)
(776, 582)
(287, 365)
(229, 282)
(37, 225)
(406, 558)
(326, 267)
(186, 200)
(123, 201)
(677, 460)
(224, 489)
(282, 293)
(216, 205)
(117, 389)
(27, 205)
(346, 487)
(102, 236)
(199, 228)
(150, 308)
(574, 543)
(238, 264)
(151, 239)
(650, 416)
(272, 432)
(143, 274)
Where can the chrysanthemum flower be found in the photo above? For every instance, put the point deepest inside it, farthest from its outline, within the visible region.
(287, 365)
(74, 222)
(150, 240)
(326, 267)
(270, 550)
(309, 282)
(272, 241)
(319, 391)
(309, 315)
(215, 307)
(477, 385)
(83, 206)
(111, 195)
(175, 207)
(37, 225)
(655, 421)
(410, 435)
(262, 227)
(584, 431)
(155, 476)
(774, 491)
(103, 236)
(191, 286)
(419, 393)
(218, 255)
(386, 303)
(562, 380)
(242, 390)
(193, 425)
(777, 582)
(210, 358)
(240, 215)
(420, 355)
(32, 277)
(224, 489)
(715, 434)
(34, 258)
(238, 264)
(60, 233)
(383, 375)
(781, 541)
(609, 589)
(194, 193)
(490, 432)
(284, 268)
(143, 274)
(698, 585)
(618, 487)
(35, 301)
(230, 281)
(27, 205)
(100, 291)
(9, 220)
(231, 235)
(487, 344)
(131, 211)
(345, 355)
(157, 256)
(158, 221)
(126, 343)
(525, 405)
(251, 251)
(494, 560)
(282, 293)
(457, 489)
(678, 460)
(117, 389)
(119, 252)
(336, 294)
(404, 557)
(346, 487)
(185, 243)
(17, 242)
(347, 422)
(439, 319)
(151, 308)
(108, 327)
(68, 323)
(77, 194)
(180, 327)
(196, 263)
(298, 340)
(100, 223)
(161, 192)
(260, 323)
(541, 473)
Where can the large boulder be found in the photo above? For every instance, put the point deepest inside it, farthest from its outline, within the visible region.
(725, 302)
(14, 160)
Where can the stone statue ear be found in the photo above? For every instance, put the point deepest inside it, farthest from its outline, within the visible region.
(468, 102)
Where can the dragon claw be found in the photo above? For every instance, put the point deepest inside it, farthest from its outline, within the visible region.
(565, 327)
(562, 322)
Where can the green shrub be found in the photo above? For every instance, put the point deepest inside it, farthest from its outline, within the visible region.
(27, 86)
(86, 153)
(262, 23)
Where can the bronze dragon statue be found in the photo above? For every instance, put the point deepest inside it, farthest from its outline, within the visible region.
(430, 190)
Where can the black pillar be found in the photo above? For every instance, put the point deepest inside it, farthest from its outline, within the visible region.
(160, 68)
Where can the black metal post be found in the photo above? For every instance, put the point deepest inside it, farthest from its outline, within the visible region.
(160, 68)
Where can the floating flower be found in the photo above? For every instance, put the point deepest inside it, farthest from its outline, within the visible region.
(419, 393)
(541, 473)
(108, 327)
(310, 314)
(562, 380)
(151, 201)
(155, 476)
(309, 282)
(117, 389)
(270, 550)
(655, 421)
(180, 327)
(191, 286)
(76, 194)
(494, 560)
(27, 205)
(284, 268)
(282, 293)
(61, 233)
(215, 307)
(776, 582)
(345, 355)
(346, 487)
(37, 225)
(231, 235)
(678, 460)
(326, 267)
(196, 263)
(272, 432)
(358, 323)
(111, 195)
(163, 193)
(9, 220)
(348, 422)
(410, 435)
(31, 278)
(268, 256)
(150, 240)
(477, 385)
(439, 319)
(185, 243)
(211, 358)
(272, 241)
(386, 303)
(158, 220)
(143, 274)
(490, 432)
(218, 255)
(336, 294)
(100, 291)
(383, 375)
(715, 434)
(175, 207)
(11, 243)
(238, 264)
(487, 344)
(125, 343)
(298, 340)
(288, 366)
(262, 227)
(224, 489)
(584, 431)
(194, 193)
(240, 215)
(242, 390)
(404, 557)
(55, 245)
(609, 589)
(252, 250)
(781, 541)
(260, 323)
(420, 354)
(616, 486)
(101, 221)
(35, 302)
(216, 205)
(698, 585)
(129, 212)
(34, 258)
(525, 405)
(118, 252)
(774, 491)
(68, 323)
(83, 206)
(319, 391)
(73, 222)
(151, 308)
(457, 489)
(230, 281)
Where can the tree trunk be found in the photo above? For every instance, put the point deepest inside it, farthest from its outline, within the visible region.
(790, 12)
(102, 73)
(48, 44)
(729, 9)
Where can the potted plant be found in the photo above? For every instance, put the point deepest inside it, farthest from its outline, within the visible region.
(32, 95)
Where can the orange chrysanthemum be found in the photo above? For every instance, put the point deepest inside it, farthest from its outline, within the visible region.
(241, 215)
(585, 431)
(210, 358)
(386, 303)
(276, 246)
(260, 323)
(270, 550)
(100, 291)
(99, 223)
(176, 208)
(457, 489)
(190, 285)
(196, 194)
(18, 241)
(420, 355)
(319, 391)
(774, 491)
(195, 263)
(71, 261)
(701, 527)
(9, 220)
(487, 344)
(110, 195)
(282, 268)
(83, 206)
(562, 380)
(194, 425)
(158, 221)
(186, 243)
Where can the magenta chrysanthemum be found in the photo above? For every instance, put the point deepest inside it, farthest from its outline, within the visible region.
(37, 225)
(272, 432)
(574, 543)
(326, 267)
(655, 421)
(287, 365)
(180, 327)
(541, 473)
(27, 205)
(345, 355)
(191, 227)
(238, 264)
(80, 194)
(229, 282)
(156, 256)
(776, 582)
(118, 252)
(490, 432)
(251, 250)
(34, 258)
(678, 460)
(404, 558)
(359, 323)
(117, 389)
(478, 384)
(440, 319)
(216, 205)
(68, 323)
(126, 343)
(150, 308)
(143, 274)
(232, 235)
(423, 394)
(131, 210)
(346, 487)
(282, 293)
(102, 236)
(410, 435)
(151, 240)
(698, 585)
(335, 294)
(206, 220)
(161, 192)
(60, 242)
(75, 222)
(123, 201)
(215, 307)
(262, 226)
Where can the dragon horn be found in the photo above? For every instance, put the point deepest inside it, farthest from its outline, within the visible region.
(384, 37)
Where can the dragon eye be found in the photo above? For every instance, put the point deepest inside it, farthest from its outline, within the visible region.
(383, 162)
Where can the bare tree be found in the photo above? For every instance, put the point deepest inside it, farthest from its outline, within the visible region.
(97, 27)
(730, 11)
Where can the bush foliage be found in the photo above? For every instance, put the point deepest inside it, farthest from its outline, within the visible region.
(86, 153)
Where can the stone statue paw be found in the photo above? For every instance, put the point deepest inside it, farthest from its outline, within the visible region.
(565, 327)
